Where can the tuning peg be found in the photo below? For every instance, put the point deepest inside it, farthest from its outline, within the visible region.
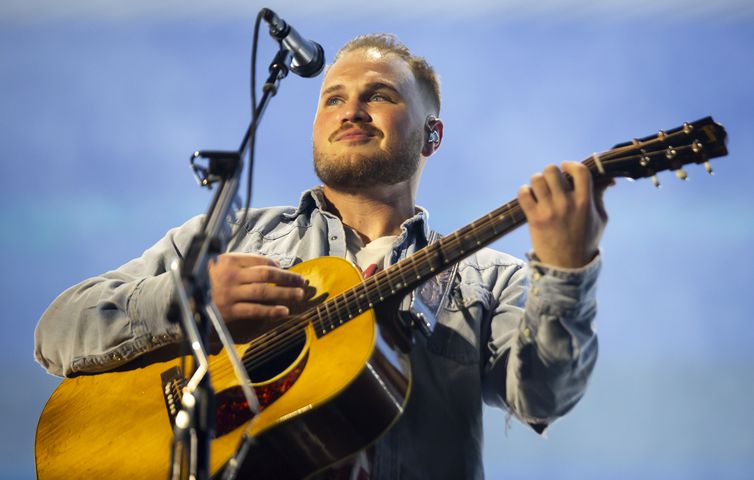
(655, 181)
(708, 167)
(681, 174)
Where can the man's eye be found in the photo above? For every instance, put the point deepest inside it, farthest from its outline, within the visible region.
(378, 97)
(333, 101)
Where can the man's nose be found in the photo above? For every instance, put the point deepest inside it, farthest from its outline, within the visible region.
(355, 111)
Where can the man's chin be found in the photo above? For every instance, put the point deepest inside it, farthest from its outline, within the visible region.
(362, 166)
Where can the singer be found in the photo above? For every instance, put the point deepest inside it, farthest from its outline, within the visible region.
(514, 334)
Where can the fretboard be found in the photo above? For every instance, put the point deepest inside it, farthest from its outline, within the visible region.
(409, 273)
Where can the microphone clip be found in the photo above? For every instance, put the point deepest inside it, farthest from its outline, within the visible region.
(307, 57)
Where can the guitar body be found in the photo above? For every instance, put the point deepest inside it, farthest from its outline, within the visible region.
(323, 399)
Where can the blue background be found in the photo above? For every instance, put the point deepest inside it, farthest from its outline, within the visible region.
(101, 105)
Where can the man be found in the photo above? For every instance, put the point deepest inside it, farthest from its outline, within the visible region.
(518, 336)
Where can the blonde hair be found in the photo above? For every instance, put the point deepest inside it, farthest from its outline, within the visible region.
(425, 75)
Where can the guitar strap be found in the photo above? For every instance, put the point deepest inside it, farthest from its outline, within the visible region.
(426, 300)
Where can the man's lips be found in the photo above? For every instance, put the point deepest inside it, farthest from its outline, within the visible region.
(353, 134)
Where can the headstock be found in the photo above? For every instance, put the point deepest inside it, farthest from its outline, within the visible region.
(694, 142)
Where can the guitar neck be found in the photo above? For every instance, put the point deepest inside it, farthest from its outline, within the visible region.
(436, 257)
(411, 272)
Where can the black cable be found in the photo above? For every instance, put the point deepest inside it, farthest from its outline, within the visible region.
(235, 239)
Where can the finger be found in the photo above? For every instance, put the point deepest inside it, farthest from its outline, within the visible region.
(599, 194)
(582, 178)
(246, 260)
(539, 188)
(603, 184)
(268, 274)
(258, 311)
(556, 182)
(266, 293)
(526, 199)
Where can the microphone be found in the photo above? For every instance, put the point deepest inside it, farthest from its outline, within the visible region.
(308, 57)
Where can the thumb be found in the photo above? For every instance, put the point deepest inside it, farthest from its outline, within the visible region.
(599, 192)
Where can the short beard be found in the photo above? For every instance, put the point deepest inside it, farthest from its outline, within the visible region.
(353, 171)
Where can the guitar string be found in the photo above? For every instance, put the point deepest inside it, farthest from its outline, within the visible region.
(260, 350)
(259, 354)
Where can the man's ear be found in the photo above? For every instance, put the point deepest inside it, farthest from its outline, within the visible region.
(433, 131)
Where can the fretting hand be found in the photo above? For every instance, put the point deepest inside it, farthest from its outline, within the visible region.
(565, 223)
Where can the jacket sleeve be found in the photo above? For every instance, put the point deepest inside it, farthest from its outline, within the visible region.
(542, 343)
(106, 321)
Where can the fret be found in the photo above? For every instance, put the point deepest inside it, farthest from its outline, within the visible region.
(450, 253)
(371, 289)
(361, 300)
(400, 272)
(459, 240)
(328, 317)
(473, 232)
(389, 283)
(493, 221)
(463, 239)
(379, 293)
(444, 260)
(413, 261)
(319, 321)
(345, 313)
(426, 257)
(443, 256)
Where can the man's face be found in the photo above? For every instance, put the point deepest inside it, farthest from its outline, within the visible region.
(369, 125)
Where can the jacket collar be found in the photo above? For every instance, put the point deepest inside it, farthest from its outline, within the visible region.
(314, 198)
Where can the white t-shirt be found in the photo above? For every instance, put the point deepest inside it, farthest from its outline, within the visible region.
(373, 253)
(365, 255)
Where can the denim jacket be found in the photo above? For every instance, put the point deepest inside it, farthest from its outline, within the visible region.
(513, 335)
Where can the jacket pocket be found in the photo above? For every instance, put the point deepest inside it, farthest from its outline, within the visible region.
(284, 260)
(456, 334)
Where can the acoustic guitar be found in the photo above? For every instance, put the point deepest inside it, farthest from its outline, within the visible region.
(329, 380)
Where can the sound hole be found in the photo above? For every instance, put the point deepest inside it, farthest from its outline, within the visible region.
(267, 361)
(262, 365)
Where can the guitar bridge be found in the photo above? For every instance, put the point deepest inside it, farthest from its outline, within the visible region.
(172, 388)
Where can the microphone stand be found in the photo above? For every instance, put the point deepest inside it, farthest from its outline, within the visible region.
(194, 424)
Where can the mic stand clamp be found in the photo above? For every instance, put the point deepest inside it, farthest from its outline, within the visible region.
(195, 422)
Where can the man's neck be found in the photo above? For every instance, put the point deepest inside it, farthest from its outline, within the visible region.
(374, 212)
